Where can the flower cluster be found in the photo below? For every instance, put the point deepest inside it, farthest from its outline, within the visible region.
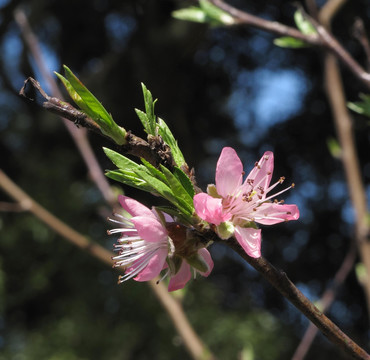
(235, 206)
(151, 241)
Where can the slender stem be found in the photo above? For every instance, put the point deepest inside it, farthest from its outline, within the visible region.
(326, 301)
(281, 282)
(192, 342)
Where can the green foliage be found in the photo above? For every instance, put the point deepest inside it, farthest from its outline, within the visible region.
(304, 26)
(89, 104)
(176, 187)
(169, 139)
(148, 118)
(361, 107)
(154, 128)
(205, 13)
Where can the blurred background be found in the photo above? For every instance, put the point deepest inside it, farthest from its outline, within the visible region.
(216, 87)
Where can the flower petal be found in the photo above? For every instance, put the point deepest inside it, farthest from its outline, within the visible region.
(229, 172)
(271, 213)
(154, 267)
(149, 229)
(250, 240)
(179, 280)
(261, 174)
(133, 207)
(209, 209)
(204, 253)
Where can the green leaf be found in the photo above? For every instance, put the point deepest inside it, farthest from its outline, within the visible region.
(74, 95)
(154, 171)
(289, 42)
(129, 179)
(169, 139)
(193, 13)
(361, 107)
(143, 118)
(159, 186)
(216, 14)
(92, 107)
(206, 13)
(122, 162)
(126, 171)
(185, 181)
(179, 191)
(303, 24)
(148, 121)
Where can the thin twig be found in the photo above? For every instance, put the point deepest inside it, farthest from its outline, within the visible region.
(191, 340)
(324, 38)
(326, 301)
(359, 33)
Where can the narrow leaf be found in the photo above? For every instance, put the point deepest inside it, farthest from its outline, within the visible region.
(131, 180)
(89, 99)
(219, 16)
(149, 109)
(93, 108)
(144, 120)
(159, 186)
(170, 140)
(303, 24)
(154, 171)
(122, 162)
(185, 181)
(361, 107)
(178, 190)
(193, 13)
(290, 42)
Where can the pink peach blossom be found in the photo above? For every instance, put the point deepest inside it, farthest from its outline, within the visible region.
(235, 206)
(145, 246)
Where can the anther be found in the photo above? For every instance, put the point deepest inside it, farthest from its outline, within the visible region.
(293, 185)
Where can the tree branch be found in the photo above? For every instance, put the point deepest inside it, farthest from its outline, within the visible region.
(323, 39)
(281, 282)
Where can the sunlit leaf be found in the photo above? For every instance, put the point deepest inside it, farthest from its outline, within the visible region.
(91, 106)
(303, 24)
(361, 107)
(170, 140)
(290, 42)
